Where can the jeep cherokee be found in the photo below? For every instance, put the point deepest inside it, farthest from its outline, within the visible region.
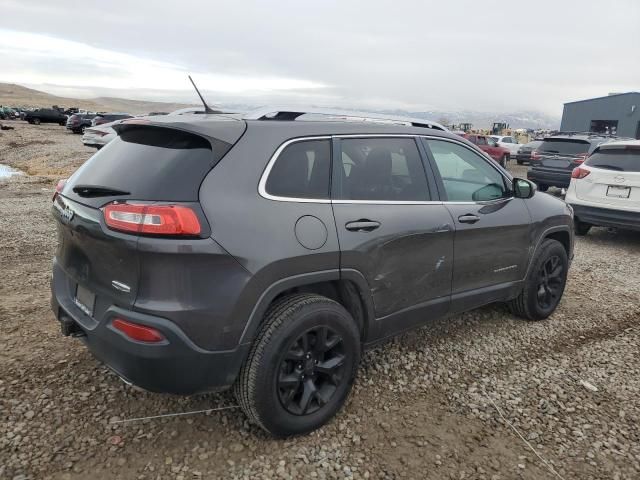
(264, 252)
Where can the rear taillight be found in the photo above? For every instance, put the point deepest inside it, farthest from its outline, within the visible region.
(135, 331)
(535, 155)
(580, 158)
(97, 133)
(579, 173)
(152, 219)
(59, 186)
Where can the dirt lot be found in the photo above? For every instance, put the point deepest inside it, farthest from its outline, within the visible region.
(423, 405)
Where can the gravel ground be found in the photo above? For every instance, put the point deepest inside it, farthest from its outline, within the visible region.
(424, 405)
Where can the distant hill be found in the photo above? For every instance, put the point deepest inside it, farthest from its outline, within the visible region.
(19, 96)
(16, 95)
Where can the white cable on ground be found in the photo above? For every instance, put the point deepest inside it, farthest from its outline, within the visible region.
(549, 466)
(176, 414)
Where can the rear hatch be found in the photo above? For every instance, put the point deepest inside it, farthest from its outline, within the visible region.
(147, 164)
(614, 178)
(562, 153)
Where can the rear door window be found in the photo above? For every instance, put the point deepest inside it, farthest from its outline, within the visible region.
(380, 169)
(620, 160)
(302, 170)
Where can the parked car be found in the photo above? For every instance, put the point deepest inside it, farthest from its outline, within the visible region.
(525, 151)
(78, 122)
(558, 155)
(98, 137)
(487, 144)
(508, 142)
(202, 252)
(103, 118)
(7, 113)
(45, 115)
(605, 189)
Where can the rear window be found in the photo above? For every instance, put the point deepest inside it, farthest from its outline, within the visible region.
(618, 160)
(149, 163)
(564, 146)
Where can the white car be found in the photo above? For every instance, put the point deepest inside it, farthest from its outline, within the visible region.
(509, 143)
(605, 189)
(100, 135)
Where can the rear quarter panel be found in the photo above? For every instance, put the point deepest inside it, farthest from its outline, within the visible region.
(259, 233)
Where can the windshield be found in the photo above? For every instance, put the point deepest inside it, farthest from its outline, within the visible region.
(564, 146)
(621, 160)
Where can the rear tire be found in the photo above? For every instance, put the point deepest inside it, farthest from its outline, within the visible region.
(544, 284)
(301, 366)
(581, 228)
(36, 121)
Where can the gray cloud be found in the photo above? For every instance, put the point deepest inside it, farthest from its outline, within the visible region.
(414, 55)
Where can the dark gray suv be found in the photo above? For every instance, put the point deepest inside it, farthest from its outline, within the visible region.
(265, 252)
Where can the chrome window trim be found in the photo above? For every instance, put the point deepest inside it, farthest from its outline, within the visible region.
(387, 202)
(262, 186)
(265, 175)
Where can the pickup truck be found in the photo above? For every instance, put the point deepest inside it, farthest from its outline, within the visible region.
(45, 115)
(487, 144)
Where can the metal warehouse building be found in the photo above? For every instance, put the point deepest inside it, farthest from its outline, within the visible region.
(617, 113)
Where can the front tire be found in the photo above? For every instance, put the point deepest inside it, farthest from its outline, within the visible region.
(301, 366)
(544, 284)
(36, 121)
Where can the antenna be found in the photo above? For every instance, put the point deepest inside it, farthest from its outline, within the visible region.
(207, 108)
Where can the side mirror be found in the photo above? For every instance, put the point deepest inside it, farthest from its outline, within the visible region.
(523, 188)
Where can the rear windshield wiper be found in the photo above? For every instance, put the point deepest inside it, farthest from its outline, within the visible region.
(91, 191)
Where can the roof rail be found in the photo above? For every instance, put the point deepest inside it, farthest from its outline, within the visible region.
(292, 113)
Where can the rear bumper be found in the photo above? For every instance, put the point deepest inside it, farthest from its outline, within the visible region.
(606, 217)
(175, 365)
(552, 178)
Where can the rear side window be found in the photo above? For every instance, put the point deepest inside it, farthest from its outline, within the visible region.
(620, 160)
(151, 163)
(302, 170)
(564, 146)
(388, 169)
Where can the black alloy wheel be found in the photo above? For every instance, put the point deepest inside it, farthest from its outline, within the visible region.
(301, 366)
(550, 282)
(545, 282)
(311, 370)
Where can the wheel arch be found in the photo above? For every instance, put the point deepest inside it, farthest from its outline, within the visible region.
(561, 233)
(349, 288)
(562, 236)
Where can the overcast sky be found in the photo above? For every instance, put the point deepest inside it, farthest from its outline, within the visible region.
(464, 55)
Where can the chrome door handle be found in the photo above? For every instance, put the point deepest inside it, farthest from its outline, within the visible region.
(468, 218)
(362, 225)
